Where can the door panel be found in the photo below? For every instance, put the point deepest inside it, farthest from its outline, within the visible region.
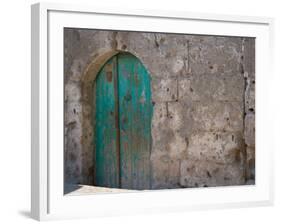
(106, 166)
(123, 120)
(135, 112)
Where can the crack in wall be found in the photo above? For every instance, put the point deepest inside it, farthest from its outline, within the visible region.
(244, 147)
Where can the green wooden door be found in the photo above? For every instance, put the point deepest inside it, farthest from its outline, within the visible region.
(123, 124)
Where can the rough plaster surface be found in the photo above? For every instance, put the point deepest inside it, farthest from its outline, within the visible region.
(203, 91)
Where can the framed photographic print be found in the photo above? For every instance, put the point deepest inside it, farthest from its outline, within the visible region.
(148, 111)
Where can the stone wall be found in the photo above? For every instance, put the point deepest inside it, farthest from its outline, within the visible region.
(203, 91)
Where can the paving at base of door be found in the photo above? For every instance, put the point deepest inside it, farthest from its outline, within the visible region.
(78, 189)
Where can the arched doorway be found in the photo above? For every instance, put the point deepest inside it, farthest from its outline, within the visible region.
(123, 124)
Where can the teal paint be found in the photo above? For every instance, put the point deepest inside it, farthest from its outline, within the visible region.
(135, 122)
(106, 169)
(123, 144)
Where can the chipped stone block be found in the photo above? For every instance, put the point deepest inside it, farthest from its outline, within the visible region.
(73, 160)
(166, 173)
(179, 116)
(175, 114)
(169, 143)
(155, 51)
(73, 112)
(217, 116)
(73, 126)
(219, 147)
(184, 89)
(249, 57)
(250, 153)
(250, 129)
(73, 141)
(212, 87)
(176, 57)
(250, 163)
(217, 87)
(72, 92)
(159, 129)
(180, 122)
(250, 96)
(96, 40)
(164, 90)
(169, 129)
(202, 173)
(160, 114)
(76, 69)
(215, 55)
(177, 147)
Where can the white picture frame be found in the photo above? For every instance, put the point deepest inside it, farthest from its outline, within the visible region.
(48, 201)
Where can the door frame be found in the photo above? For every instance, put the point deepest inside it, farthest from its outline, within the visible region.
(88, 97)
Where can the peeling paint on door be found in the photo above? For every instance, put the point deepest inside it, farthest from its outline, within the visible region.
(123, 124)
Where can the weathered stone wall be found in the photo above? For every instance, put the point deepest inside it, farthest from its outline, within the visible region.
(203, 91)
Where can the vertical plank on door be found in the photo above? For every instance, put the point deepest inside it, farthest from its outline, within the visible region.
(135, 112)
(106, 131)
